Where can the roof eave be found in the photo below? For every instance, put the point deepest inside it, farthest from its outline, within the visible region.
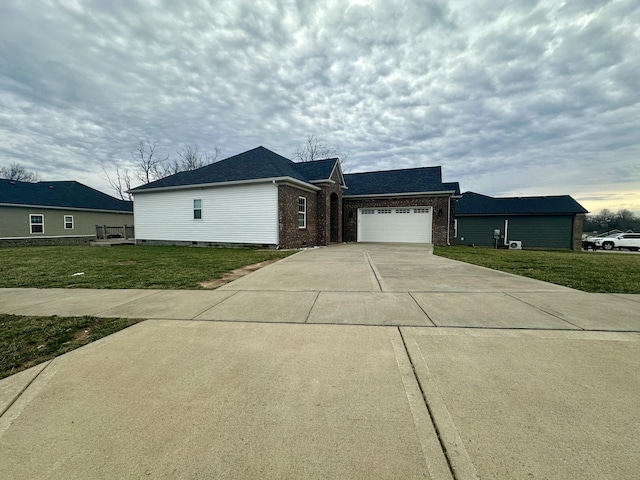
(514, 214)
(67, 207)
(289, 180)
(408, 194)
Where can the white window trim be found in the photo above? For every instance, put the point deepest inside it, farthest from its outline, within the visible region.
(196, 209)
(64, 221)
(303, 212)
(31, 215)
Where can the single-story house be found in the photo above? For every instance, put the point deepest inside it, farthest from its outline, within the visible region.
(62, 212)
(261, 198)
(536, 222)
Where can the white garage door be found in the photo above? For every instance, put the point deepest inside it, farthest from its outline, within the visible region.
(395, 224)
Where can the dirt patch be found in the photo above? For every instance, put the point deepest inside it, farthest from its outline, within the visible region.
(81, 337)
(235, 274)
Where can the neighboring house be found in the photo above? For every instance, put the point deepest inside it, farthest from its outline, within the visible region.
(56, 212)
(261, 198)
(537, 222)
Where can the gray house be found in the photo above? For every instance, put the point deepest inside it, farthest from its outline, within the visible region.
(47, 213)
(536, 222)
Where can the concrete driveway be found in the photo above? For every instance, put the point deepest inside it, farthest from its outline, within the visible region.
(330, 364)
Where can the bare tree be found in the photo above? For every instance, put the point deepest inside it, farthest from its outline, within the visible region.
(191, 158)
(17, 172)
(314, 149)
(121, 183)
(148, 166)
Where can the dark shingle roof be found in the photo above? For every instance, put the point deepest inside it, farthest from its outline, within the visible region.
(251, 165)
(66, 194)
(318, 169)
(409, 180)
(476, 204)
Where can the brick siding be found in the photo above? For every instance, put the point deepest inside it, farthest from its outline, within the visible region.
(292, 236)
(439, 204)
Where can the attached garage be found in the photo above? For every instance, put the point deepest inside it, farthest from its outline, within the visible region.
(410, 205)
(395, 224)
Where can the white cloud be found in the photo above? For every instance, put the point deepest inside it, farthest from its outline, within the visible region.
(509, 97)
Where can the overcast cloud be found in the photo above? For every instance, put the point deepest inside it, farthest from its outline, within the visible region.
(513, 97)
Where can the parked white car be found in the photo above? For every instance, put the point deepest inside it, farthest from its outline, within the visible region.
(630, 241)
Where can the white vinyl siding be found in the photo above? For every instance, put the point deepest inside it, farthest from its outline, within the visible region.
(231, 214)
(390, 224)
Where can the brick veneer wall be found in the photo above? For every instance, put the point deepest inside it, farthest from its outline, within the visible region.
(46, 241)
(324, 212)
(439, 203)
(291, 236)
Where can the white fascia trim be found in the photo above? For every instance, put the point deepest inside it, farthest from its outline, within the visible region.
(275, 180)
(411, 194)
(340, 174)
(74, 209)
(328, 180)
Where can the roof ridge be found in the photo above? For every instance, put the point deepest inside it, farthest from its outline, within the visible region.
(439, 167)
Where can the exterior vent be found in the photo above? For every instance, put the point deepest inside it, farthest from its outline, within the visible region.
(515, 245)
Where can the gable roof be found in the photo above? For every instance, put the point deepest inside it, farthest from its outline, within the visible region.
(476, 204)
(259, 163)
(404, 181)
(64, 194)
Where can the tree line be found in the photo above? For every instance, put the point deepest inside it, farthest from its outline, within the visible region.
(607, 220)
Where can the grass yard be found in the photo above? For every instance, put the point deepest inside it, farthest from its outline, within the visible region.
(588, 271)
(28, 341)
(125, 266)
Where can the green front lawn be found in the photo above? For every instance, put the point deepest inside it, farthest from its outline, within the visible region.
(587, 271)
(126, 266)
(28, 341)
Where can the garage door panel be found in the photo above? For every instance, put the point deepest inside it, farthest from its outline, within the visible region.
(395, 224)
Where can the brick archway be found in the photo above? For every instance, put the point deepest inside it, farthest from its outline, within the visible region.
(333, 218)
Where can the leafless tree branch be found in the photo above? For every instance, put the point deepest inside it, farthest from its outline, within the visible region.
(15, 171)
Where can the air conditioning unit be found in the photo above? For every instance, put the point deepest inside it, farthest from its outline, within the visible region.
(515, 245)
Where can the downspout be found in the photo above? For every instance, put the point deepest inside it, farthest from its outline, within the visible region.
(449, 223)
(506, 232)
(277, 215)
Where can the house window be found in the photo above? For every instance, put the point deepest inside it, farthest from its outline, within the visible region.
(368, 211)
(197, 209)
(68, 222)
(384, 210)
(302, 212)
(403, 210)
(36, 222)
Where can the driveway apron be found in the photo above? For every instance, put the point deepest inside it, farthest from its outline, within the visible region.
(351, 361)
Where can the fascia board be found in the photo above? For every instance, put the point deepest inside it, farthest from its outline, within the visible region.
(410, 194)
(53, 207)
(276, 180)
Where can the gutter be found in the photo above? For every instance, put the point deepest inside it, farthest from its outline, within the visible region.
(275, 180)
(409, 194)
(51, 207)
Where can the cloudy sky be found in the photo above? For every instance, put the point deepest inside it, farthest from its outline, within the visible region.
(511, 97)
